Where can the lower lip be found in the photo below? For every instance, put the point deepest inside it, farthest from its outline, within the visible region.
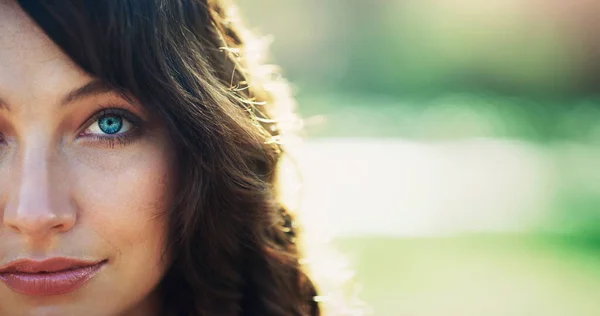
(53, 283)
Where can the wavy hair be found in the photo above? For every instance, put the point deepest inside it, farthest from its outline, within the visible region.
(231, 240)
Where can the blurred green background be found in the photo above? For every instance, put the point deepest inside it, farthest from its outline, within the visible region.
(451, 149)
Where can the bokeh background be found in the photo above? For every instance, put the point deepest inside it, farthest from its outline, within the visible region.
(451, 149)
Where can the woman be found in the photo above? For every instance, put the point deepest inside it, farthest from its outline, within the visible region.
(138, 154)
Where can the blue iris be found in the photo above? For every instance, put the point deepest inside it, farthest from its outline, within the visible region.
(110, 124)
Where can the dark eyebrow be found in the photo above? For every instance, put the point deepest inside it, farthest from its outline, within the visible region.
(92, 88)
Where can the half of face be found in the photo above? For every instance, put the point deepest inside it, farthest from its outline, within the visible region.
(86, 181)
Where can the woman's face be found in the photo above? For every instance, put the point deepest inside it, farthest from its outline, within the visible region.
(85, 178)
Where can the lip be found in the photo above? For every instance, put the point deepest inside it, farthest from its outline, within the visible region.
(52, 276)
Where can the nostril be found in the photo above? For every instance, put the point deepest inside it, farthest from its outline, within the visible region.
(39, 220)
(59, 227)
(36, 224)
(14, 228)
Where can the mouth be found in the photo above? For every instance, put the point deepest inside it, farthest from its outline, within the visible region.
(48, 277)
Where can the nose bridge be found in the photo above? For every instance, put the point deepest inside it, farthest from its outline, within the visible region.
(36, 205)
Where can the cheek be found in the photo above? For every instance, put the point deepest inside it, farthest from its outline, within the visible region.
(125, 198)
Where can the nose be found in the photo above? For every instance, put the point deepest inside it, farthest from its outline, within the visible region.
(38, 205)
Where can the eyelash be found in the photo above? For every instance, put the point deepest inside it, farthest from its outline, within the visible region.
(122, 139)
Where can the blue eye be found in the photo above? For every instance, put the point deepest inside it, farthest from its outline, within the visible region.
(110, 124)
(113, 125)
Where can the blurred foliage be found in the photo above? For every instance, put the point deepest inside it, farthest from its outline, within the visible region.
(425, 68)
(440, 71)
(516, 275)
(452, 116)
(394, 47)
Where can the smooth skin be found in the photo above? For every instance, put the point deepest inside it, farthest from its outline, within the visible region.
(68, 189)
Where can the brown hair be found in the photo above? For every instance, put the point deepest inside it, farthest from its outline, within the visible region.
(231, 240)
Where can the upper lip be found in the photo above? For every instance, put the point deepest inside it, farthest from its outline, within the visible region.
(47, 265)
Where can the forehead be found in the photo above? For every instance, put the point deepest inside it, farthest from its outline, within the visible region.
(29, 60)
